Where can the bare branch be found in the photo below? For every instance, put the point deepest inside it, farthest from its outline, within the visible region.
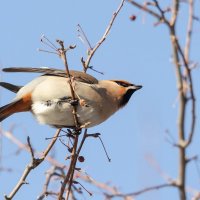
(182, 79)
(175, 10)
(52, 172)
(189, 30)
(162, 13)
(70, 174)
(147, 189)
(63, 56)
(24, 147)
(32, 165)
(188, 70)
(146, 9)
(99, 43)
(79, 173)
(191, 91)
(69, 177)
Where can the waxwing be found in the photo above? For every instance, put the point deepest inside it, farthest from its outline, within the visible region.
(49, 97)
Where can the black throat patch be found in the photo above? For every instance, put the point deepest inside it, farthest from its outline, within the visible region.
(126, 97)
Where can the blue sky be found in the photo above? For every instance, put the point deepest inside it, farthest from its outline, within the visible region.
(135, 51)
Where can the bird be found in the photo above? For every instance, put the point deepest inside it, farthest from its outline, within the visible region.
(49, 97)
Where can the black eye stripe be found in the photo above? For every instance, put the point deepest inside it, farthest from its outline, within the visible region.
(124, 84)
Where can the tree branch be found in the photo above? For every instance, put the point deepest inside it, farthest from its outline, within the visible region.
(69, 177)
(99, 43)
(146, 9)
(147, 189)
(188, 70)
(178, 56)
(63, 56)
(189, 30)
(24, 147)
(32, 165)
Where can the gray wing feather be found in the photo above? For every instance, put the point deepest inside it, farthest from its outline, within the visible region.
(32, 69)
(78, 76)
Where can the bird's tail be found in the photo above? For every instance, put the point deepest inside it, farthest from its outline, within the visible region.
(7, 110)
(20, 105)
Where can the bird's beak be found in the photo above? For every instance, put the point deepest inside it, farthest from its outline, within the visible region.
(136, 87)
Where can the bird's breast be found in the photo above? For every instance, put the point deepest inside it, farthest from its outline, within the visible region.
(60, 114)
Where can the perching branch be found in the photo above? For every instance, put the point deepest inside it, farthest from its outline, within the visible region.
(69, 177)
(63, 56)
(75, 153)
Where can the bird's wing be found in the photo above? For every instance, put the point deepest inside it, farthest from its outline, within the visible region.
(29, 69)
(78, 76)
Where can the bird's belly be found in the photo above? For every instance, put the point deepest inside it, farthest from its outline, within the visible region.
(61, 115)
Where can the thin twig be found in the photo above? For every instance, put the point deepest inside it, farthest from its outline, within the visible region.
(80, 173)
(191, 91)
(32, 165)
(109, 159)
(75, 160)
(70, 172)
(147, 189)
(162, 12)
(144, 8)
(24, 147)
(52, 172)
(175, 10)
(83, 37)
(97, 135)
(188, 70)
(99, 43)
(189, 30)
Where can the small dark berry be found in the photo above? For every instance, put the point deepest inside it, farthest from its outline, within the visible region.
(81, 159)
(132, 17)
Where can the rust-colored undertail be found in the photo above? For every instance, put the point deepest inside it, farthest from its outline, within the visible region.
(20, 105)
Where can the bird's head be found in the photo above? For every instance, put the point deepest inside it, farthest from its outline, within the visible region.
(120, 90)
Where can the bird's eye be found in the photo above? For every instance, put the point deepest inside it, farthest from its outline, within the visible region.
(122, 83)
